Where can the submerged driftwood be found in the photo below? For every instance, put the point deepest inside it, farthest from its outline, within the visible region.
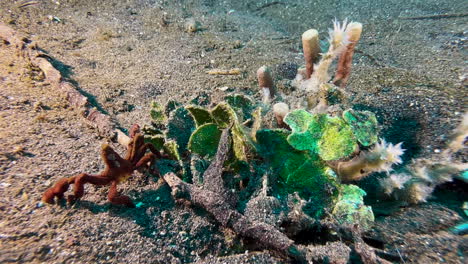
(213, 197)
(29, 51)
(216, 199)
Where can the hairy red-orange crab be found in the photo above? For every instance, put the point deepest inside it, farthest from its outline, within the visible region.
(117, 170)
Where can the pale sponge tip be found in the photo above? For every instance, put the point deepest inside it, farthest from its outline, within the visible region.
(310, 42)
(280, 110)
(353, 31)
(311, 34)
(265, 81)
(311, 47)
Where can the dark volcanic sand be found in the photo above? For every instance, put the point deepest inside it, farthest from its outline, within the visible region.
(410, 72)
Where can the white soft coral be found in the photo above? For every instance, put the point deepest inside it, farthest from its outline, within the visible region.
(380, 158)
(394, 181)
(384, 155)
(338, 39)
(337, 36)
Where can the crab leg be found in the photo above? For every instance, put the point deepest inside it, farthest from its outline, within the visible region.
(81, 180)
(57, 190)
(117, 199)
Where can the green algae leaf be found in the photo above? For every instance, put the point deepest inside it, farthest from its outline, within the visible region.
(350, 208)
(299, 120)
(204, 141)
(180, 127)
(364, 125)
(242, 104)
(337, 140)
(171, 148)
(200, 115)
(224, 115)
(157, 141)
(306, 128)
(330, 137)
(239, 142)
(157, 113)
(299, 171)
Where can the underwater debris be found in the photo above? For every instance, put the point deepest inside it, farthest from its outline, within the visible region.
(214, 198)
(117, 170)
(33, 54)
(192, 26)
(234, 71)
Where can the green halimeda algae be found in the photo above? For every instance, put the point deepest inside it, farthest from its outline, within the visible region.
(364, 126)
(179, 128)
(350, 208)
(200, 115)
(205, 139)
(330, 137)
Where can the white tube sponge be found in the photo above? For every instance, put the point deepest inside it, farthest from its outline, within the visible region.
(311, 47)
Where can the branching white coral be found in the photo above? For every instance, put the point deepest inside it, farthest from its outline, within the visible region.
(394, 181)
(384, 155)
(421, 178)
(418, 192)
(337, 36)
(338, 40)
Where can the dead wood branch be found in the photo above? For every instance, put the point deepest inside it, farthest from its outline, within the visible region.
(211, 197)
(28, 50)
(440, 16)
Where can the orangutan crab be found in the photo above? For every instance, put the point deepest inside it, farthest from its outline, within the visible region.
(117, 170)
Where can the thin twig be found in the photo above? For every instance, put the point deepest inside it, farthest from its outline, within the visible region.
(440, 16)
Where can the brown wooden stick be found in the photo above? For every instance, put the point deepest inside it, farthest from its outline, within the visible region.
(434, 16)
(212, 197)
(264, 234)
(103, 123)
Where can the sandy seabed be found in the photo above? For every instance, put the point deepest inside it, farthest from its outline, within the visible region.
(409, 69)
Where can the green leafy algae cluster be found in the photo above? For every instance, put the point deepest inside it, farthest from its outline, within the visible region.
(332, 138)
(297, 158)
